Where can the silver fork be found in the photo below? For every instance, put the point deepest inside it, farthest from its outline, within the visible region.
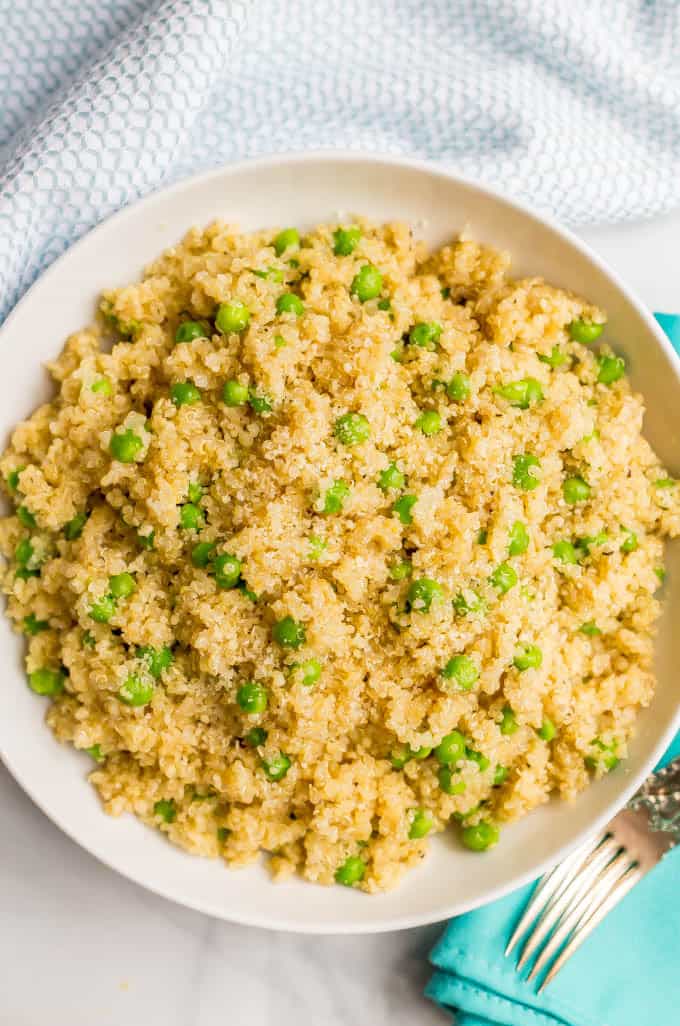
(569, 902)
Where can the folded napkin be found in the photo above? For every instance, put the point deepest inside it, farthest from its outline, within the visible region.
(573, 106)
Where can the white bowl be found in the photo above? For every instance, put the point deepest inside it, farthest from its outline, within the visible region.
(304, 190)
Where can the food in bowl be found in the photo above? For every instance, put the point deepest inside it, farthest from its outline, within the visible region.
(326, 542)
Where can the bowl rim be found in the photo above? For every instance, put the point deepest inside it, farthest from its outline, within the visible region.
(430, 169)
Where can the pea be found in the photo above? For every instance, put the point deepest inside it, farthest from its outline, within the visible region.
(521, 393)
(429, 422)
(25, 516)
(500, 775)
(185, 393)
(477, 757)
(352, 429)
(402, 754)
(147, 540)
(528, 657)
(400, 570)
(289, 633)
(465, 605)
(95, 753)
(351, 872)
(24, 552)
(309, 671)
(166, 809)
(317, 546)
(88, 639)
(346, 240)
(421, 824)
(33, 626)
(480, 837)
(385, 304)
(201, 554)
(630, 542)
(189, 331)
(232, 317)
(23, 573)
(422, 593)
(13, 479)
(102, 386)
(367, 283)
(270, 274)
(252, 698)
(276, 768)
(565, 552)
(458, 388)
(503, 578)
(260, 403)
(509, 724)
(585, 331)
(575, 489)
(590, 629)
(46, 682)
(547, 730)
(425, 335)
(122, 585)
(279, 341)
(660, 573)
(522, 477)
(227, 570)
(256, 737)
(125, 446)
(482, 537)
(518, 539)
(612, 368)
(136, 691)
(665, 483)
(463, 671)
(191, 517)
(156, 659)
(289, 238)
(604, 757)
(290, 303)
(103, 609)
(74, 528)
(403, 506)
(451, 749)
(234, 393)
(334, 500)
(391, 477)
(555, 359)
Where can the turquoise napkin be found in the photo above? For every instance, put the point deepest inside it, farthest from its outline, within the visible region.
(626, 974)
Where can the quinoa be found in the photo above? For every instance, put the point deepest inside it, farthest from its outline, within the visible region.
(401, 504)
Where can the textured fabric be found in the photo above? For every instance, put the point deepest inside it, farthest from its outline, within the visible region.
(574, 106)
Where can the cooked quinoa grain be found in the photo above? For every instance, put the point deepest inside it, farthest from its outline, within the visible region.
(339, 543)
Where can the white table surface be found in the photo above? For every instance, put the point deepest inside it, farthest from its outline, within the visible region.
(81, 946)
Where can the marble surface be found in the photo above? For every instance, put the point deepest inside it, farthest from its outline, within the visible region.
(80, 946)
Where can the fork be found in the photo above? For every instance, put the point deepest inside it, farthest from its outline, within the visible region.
(569, 902)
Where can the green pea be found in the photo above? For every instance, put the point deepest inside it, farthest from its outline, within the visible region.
(630, 542)
(402, 754)
(102, 610)
(125, 446)
(202, 553)
(458, 388)
(521, 393)
(451, 749)
(166, 809)
(189, 331)
(234, 393)
(252, 698)
(352, 429)
(122, 585)
(226, 569)
(509, 724)
(46, 682)
(317, 546)
(421, 824)
(25, 516)
(232, 317)
(565, 552)
(74, 528)
(522, 477)
(13, 479)
(518, 539)
(279, 341)
(23, 573)
(422, 593)
(612, 368)
(462, 671)
(575, 489)
(270, 274)
(503, 578)
(403, 506)
(289, 633)
(500, 775)
(351, 872)
(24, 552)
(346, 240)
(256, 737)
(136, 691)
(464, 606)
(477, 757)
(334, 499)
(425, 335)
(33, 626)
(604, 757)
(191, 517)
(95, 753)
(185, 393)
(660, 573)
(276, 768)
(429, 422)
(590, 629)
(147, 540)
(102, 386)
(290, 303)
(482, 537)
(391, 477)
(528, 657)
(367, 283)
(156, 659)
(88, 640)
(260, 403)
(585, 331)
(289, 238)
(555, 359)
(195, 491)
(480, 837)
(450, 781)
(664, 483)
(309, 671)
(385, 304)
(400, 570)
(547, 730)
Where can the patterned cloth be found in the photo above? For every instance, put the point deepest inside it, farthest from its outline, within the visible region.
(573, 105)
